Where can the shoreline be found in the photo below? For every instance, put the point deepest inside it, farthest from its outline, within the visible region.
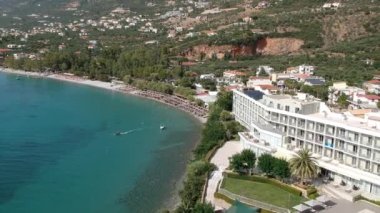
(173, 200)
(169, 100)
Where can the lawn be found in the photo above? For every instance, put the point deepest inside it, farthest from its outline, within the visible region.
(263, 192)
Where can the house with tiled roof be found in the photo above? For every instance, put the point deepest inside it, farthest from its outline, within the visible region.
(366, 101)
(233, 76)
(372, 86)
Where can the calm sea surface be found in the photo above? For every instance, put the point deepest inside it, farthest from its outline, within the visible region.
(58, 151)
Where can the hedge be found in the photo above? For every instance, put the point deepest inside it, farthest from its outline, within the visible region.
(223, 197)
(283, 186)
(231, 201)
(313, 196)
(376, 202)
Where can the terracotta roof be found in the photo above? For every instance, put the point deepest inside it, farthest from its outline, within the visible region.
(235, 72)
(258, 77)
(4, 50)
(370, 97)
(188, 63)
(268, 87)
(290, 68)
(373, 81)
(303, 76)
(229, 88)
(357, 112)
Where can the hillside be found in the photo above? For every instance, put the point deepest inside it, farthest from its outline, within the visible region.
(336, 39)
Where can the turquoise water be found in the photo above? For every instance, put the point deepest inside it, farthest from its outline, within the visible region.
(58, 152)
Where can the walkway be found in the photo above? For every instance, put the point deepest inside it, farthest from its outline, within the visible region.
(221, 160)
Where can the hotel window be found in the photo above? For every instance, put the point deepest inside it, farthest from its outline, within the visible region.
(355, 149)
(287, 108)
(353, 161)
(278, 106)
(342, 132)
(367, 164)
(341, 144)
(310, 125)
(356, 137)
(297, 109)
(340, 155)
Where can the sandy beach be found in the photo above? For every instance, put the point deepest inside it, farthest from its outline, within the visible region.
(197, 112)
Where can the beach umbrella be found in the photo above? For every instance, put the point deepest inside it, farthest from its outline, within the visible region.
(313, 203)
(323, 198)
(301, 207)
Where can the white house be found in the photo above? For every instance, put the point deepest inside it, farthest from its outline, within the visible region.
(339, 88)
(233, 76)
(366, 101)
(207, 76)
(372, 86)
(301, 69)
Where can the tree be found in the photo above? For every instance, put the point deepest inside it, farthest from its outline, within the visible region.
(237, 163)
(225, 100)
(203, 208)
(342, 101)
(303, 166)
(378, 104)
(291, 84)
(208, 84)
(249, 158)
(192, 190)
(244, 161)
(281, 168)
(266, 163)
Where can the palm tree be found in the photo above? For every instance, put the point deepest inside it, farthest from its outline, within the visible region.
(303, 165)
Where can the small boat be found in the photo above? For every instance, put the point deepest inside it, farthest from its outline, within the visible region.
(18, 78)
(162, 127)
(117, 133)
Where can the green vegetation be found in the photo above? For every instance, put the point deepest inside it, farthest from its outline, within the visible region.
(263, 192)
(243, 162)
(271, 181)
(312, 192)
(303, 166)
(213, 136)
(197, 173)
(273, 166)
(366, 199)
(343, 101)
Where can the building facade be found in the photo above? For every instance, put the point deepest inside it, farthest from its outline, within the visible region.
(347, 148)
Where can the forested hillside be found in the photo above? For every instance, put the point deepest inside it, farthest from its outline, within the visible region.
(339, 41)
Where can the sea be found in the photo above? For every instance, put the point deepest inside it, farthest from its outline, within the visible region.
(59, 152)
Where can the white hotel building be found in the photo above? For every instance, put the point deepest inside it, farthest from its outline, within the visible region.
(347, 148)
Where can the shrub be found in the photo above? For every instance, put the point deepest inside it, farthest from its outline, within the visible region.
(311, 190)
(313, 196)
(223, 197)
(376, 202)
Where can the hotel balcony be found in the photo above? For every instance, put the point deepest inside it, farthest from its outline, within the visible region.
(367, 143)
(364, 155)
(274, 119)
(376, 158)
(255, 142)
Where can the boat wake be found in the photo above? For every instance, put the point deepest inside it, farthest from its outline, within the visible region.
(128, 132)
